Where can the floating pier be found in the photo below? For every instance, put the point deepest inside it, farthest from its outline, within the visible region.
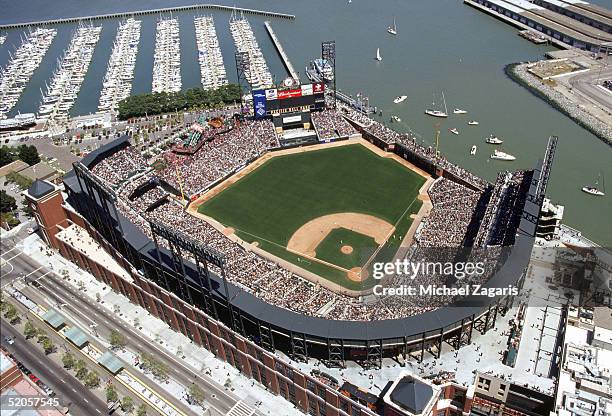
(151, 11)
(281, 51)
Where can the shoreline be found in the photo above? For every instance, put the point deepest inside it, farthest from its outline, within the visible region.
(517, 72)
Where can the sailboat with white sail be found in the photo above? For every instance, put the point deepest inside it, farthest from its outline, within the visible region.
(392, 29)
(438, 113)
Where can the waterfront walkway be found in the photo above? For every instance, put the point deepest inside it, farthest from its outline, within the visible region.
(218, 7)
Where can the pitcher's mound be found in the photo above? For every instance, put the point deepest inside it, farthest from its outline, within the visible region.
(346, 249)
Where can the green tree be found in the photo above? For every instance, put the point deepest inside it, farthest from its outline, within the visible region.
(11, 312)
(142, 410)
(111, 393)
(28, 154)
(127, 404)
(7, 202)
(196, 393)
(68, 360)
(41, 337)
(48, 346)
(6, 155)
(2, 302)
(20, 180)
(29, 330)
(79, 365)
(27, 210)
(81, 373)
(92, 380)
(117, 339)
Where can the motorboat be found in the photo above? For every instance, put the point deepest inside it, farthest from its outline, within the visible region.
(594, 190)
(378, 57)
(399, 99)
(493, 140)
(499, 155)
(459, 111)
(396, 119)
(472, 123)
(454, 131)
(473, 150)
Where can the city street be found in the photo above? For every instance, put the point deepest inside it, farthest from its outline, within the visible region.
(71, 392)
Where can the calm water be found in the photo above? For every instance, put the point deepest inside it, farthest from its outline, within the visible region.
(442, 45)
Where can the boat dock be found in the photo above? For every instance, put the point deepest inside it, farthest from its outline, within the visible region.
(218, 7)
(281, 51)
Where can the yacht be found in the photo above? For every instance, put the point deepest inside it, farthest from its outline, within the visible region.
(399, 99)
(459, 111)
(499, 155)
(594, 190)
(472, 123)
(454, 131)
(493, 140)
(473, 150)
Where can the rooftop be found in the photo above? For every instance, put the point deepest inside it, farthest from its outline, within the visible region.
(39, 189)
(80, 240)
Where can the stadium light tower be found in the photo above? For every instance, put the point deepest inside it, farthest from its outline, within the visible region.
(328, 53)
(243, 69)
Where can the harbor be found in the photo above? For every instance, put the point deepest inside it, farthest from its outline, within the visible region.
(257, 73)
(212, 68)
(120, 71)
(167, 64)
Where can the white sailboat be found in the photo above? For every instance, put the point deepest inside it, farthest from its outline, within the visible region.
(594, 190)
(378, 57)
(438, 113)
(392, 29)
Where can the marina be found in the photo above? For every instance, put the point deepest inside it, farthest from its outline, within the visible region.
(117, 83)
(257, 73)
(212, 69)
(292, 72)
(66, 82)
(16, 75)
(2, 39)
(167, 64)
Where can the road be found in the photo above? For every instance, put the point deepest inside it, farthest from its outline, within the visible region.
(55, 290)
(78, 398)
(585, 85)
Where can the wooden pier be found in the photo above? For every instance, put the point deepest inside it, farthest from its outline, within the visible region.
(281, 51)
(217, 7)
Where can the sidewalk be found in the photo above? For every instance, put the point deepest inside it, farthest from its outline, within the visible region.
(157, 331)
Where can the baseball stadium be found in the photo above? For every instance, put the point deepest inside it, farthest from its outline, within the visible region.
(270, 224)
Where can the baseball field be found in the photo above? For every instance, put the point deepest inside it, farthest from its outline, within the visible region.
(329, 211)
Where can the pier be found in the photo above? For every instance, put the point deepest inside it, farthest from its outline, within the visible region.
(340, 96)
(281, 51)
(218, 7)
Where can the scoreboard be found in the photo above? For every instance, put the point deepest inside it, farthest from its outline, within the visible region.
(276, 101)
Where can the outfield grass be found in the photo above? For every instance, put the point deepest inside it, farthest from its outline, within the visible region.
(329, 249)
(286, 192)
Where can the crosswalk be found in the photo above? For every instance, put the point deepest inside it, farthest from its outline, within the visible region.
(241, 409)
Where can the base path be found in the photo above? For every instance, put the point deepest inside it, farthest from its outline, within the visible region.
(306, 239)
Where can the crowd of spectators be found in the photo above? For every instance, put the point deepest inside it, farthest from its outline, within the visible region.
(121, 166)
(219, 157)
(454, 205)
(330, 124)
